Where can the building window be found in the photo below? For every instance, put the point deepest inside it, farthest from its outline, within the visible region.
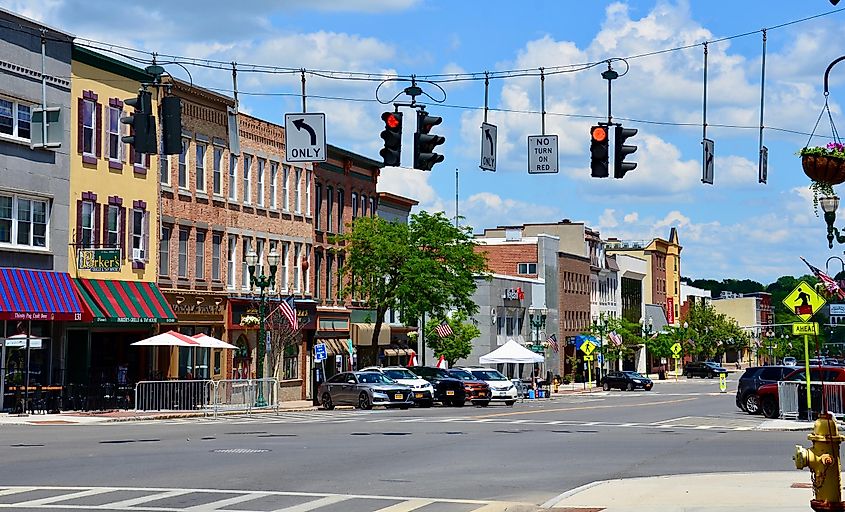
(283, 262)
(115, 144)
(354, 205)
(164, 252)
(15, 119)
(139, 234)
(247, 247)
(233, 178)
(183, 164)
(340, 201)
(89, 127)
(526, 268)
(297, 189)
(247, 179)
(200, 167)
(318, 206)
(329, 276)
(339, 276)
(260, 198)
(372, 207)
(113, 226)
(23, 221)
(230, 261)
(297, 274)
(307, 192)
(291, 362)
(199, 270)
(363, 205)
(182, 261)
(274, 177)
(216, 242)
(217, 172)
(306, 273)
(318, 267)
(259, 250)
(329, 208)
(87, 224)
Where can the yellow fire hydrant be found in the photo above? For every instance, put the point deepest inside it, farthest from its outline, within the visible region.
(556, 384)
(823, 461)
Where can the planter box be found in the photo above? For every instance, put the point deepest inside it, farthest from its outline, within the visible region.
(824, 169)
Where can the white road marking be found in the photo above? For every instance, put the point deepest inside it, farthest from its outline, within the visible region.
(311, 505)
(63, 497)
(216, 505)
(163, 494)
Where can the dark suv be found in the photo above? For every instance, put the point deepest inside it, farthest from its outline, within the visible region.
(750, 382)
(447, 389)
(703, 369)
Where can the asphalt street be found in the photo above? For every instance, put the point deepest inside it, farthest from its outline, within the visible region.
(528, 453)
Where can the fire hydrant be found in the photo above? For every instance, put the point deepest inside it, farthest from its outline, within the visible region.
(556, 384)
(823, 461)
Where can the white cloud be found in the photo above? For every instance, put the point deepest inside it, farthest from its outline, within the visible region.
(411, 183)
(608, 219)
(631, 218)
(486, 209)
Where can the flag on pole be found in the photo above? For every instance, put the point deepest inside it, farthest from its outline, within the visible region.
(288, 310)
(615, 338)
(552, 341)
(443, 330)
(830, 285)
(690, 342)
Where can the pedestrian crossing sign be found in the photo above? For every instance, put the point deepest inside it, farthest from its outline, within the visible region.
(676, 349)
(804, 302)
(588, 347)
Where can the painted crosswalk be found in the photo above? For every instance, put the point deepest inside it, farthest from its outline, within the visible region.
(210, 500)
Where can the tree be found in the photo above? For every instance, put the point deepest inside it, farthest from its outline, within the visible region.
(427, 266)
(283, 339)
(456, 346)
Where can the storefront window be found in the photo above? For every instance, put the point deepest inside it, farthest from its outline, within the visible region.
(291, 362)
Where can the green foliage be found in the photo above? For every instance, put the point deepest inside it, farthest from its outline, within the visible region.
(727, 285)
(630, 332)
(456, 346)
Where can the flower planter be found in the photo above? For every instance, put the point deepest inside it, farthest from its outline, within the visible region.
(824, 169)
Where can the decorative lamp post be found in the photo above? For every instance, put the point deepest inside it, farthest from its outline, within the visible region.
(537, 317)
(262, 282)
(646, 326)
(771, 335)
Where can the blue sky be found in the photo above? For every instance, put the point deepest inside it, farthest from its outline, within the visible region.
(735, 228)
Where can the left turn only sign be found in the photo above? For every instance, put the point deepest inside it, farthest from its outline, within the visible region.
(305, 137)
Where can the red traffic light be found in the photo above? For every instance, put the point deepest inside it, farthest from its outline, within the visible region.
(599, 133)
(391, 119)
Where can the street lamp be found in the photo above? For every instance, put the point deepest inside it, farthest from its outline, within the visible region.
(262, 282)
(538, 323)
(771, 335)
(646, 327)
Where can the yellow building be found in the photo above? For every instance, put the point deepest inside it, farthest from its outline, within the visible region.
(113, 220)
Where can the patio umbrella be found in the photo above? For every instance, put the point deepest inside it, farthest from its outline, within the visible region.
(168, 339)
(207, 341)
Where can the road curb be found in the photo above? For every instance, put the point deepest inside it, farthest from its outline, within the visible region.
(166, 416)
(571, 492)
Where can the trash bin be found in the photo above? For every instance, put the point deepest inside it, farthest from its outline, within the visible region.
(531, 394)
(661, 374)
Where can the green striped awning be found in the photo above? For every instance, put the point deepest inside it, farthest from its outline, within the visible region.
(124, 301)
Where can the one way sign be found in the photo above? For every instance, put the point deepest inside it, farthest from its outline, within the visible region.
(305, 137)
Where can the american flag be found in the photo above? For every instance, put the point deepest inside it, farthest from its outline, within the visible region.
(615, 338)
(288, 309)
(690, 342)
(443, 330)
(552, 341)
(830, 285)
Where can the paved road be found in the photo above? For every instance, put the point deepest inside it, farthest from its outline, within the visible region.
(378, 459)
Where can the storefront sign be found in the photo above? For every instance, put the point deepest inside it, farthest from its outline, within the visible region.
(98, 260)
(306, 315)
(837, 310)
(197, 308)
(513, 294)
(240, 310)
(670, 309)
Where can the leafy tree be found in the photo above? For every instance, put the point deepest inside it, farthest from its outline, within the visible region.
(456, 346)
(284, 340)
(427, 266)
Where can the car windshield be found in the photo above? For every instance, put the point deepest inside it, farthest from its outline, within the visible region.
(634, 375)
(374, 378)
(488, 375)
(399, 373)
(712, 364)
(461, 374)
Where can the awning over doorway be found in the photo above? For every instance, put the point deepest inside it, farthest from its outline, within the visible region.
(124, 301)
(37, 295)
(362, 334)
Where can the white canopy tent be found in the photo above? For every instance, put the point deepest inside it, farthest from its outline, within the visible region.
(511, 352)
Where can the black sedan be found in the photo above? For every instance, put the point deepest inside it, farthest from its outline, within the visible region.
(703, 369)
(447, 389)
(626, 380)
(364, 390)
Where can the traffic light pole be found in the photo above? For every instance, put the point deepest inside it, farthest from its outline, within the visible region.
(610, 75)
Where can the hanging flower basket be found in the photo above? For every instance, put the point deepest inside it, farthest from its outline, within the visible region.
(825, 166)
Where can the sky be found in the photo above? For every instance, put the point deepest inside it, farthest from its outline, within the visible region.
(735, 228)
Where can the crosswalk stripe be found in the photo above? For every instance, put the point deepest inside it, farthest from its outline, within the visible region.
(216, 505)
(62, 497)
(311, 505)
(406, 506)
(16, 490)
(145, 499)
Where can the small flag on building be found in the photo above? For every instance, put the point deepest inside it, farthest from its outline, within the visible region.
(615, 338)
(288, 309)
(552, 341)
(443, 330)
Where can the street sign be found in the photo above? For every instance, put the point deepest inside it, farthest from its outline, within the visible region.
(588, 347)
(542, 154)
(676, 349)
(707, 164)
(588, 358)
(723, 383)
(305, 137)
(320, 353)
(805, 328)
(804, 301)
(600, 359)
(488, 147)
(763, 172)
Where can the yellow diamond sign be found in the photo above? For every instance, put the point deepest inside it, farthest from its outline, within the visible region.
(588, 347)
(804, 302)
(676, 348)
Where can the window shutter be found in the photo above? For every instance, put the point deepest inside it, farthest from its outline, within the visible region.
(121, 232)
(130, 224)
(95, 223)
(78, 223)
(104, 225)
(147, 161)
(105, 136)
(80, 132)
(131, 154)
(147, 237)
(98, 150)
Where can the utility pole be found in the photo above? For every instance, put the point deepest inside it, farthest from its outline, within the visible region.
(456, 197)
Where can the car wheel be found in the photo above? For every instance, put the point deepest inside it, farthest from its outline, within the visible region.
(752, 404)
(710, 376)
(770, 408)
(605, 386)
(404, 407)
(687, 375)
(482, 403)
(648, 387)
(364, 402)
(426, 403)
(458, 403)
(630, 386)
(327, 402)
(510, 403)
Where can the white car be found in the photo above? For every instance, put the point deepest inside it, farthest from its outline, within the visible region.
(789, 361)
(423, 391)
(501, 388)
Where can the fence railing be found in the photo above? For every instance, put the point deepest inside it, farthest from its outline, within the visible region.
(208, 396)
(791, 398)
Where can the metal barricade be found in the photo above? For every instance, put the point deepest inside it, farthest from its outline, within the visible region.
(246, 395)
(175, 395)
(788, 399)
(834, 394)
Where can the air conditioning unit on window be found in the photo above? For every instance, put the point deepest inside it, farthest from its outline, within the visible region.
(137, 254)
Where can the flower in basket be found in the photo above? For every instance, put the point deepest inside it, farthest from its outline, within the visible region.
(249, 321)
(825, 166)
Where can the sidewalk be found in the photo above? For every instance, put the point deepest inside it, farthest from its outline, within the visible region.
(778, 491)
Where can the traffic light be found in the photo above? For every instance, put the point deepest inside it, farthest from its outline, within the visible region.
(424, 142)
(171, 125)
(142, 123)
(392, 135)
(598, 152)
(621, 150)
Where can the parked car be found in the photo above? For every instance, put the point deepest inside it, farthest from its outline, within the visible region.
(789, 361)
(447, 389)
(422, 389)
(626, 380)
(502, 389)
(364, 390)
(767, 394)
(477, 391)
(752, 379)
(703, 369)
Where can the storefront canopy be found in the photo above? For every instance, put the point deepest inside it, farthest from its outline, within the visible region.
(123, 302)
(511, 352)
(37, 295)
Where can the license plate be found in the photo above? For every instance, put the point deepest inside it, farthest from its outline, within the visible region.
(398, 396)
(418, 395)
(450, 393)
